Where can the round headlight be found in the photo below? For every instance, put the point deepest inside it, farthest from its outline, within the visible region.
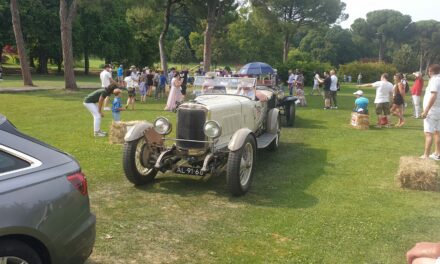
(162, 126)
(212, 129)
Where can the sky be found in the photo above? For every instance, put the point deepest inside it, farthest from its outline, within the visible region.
(417, 9)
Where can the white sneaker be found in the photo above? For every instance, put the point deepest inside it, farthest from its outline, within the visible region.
(100, 134)
(434, 156)
(107, 108)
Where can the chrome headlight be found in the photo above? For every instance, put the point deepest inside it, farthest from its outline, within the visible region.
(162, 126)
(212, 129)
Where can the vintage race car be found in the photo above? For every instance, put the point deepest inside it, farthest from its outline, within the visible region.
(221, 129)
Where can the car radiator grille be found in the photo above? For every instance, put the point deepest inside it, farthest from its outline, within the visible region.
(190, 127)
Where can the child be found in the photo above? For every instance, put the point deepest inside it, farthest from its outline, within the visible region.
(117, 105)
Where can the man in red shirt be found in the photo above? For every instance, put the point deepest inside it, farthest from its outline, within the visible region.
(416, 92)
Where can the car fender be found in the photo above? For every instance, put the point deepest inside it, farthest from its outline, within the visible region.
(137, 131)
(238, 139)
(272, 119)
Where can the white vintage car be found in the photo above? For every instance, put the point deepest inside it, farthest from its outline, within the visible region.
(229, 119)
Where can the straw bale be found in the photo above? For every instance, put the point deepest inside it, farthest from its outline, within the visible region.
(360, 121)
(118, 131)
(418, 174)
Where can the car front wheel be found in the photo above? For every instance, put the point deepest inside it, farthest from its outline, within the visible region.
(289, 111)
(17, 252)
(240, 167)
(138, 162)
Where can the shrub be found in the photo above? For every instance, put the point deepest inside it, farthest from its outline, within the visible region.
(371, 71)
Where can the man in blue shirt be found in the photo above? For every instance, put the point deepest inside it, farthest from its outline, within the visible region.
(361, 103)
(120, 75)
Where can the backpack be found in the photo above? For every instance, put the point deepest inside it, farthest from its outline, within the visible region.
(405, 82)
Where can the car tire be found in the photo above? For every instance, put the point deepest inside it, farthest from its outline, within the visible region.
(240, 167)
(290, 110)
(15, 251)
(137, 162)
(276, 141)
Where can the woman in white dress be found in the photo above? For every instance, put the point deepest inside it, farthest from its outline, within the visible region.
(175, 95)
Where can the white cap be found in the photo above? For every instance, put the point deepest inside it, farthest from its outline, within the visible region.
(359, 92)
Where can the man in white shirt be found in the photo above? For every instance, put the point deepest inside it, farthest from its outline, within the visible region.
(106, 80)
(431, 113)
(333, 90)
(384, 91)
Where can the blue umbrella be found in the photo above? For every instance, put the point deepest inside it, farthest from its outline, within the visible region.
(255, 68)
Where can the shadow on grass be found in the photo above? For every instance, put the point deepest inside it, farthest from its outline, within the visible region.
(281, 179)
(307, 123)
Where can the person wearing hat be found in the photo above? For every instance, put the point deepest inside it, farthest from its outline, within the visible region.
(361, 103)
(416, 92)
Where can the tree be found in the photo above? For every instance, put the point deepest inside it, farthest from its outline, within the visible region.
(67, 15)
(426, 37)
(405, 59)
(293, 14)
(334, 45)
(215, 10)
(166, 24)
(6, 34)
(181, 52)
(25, 70)
(389, 28)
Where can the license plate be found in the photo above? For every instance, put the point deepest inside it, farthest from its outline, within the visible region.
(189, 171)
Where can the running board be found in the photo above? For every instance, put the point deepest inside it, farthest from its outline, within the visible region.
(265, 139)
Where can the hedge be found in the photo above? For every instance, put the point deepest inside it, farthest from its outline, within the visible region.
(371, 71)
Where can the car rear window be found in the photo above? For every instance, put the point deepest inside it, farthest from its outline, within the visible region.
(9, 162)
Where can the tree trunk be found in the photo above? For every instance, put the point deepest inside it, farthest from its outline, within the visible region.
(31, 61)
(286, 47)
(86, 61)
(207, 50)
(214, 12)
(16, 24)
(59, 66)
(421, 60)
(166, 24)
(42, 64)
(67, 14)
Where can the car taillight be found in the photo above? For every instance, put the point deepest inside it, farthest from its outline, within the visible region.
(79, 181)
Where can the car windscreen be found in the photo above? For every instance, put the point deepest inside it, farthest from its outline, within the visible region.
(9, 162)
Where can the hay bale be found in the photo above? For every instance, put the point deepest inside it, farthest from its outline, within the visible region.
(360, 121)
(418, 174)
(118, 131)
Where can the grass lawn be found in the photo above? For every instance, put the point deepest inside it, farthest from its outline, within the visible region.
(327, 196)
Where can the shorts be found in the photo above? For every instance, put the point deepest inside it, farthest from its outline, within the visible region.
(431, 125)
(383, 108)
(327, 94)
(120, 78)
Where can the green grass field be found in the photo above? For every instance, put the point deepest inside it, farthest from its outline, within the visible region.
(328, 195)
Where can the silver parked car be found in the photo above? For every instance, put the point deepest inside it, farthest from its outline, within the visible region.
(44, 205)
